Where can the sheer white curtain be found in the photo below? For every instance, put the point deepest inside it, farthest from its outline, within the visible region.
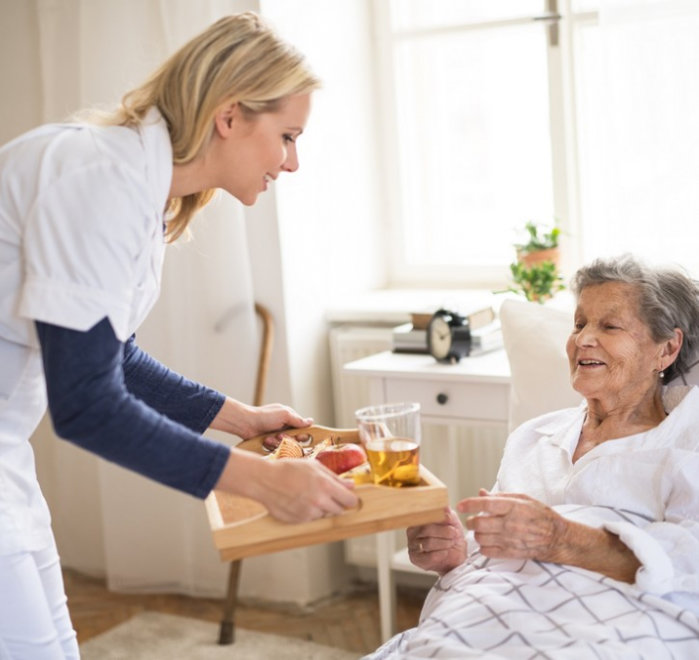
(639, 135)
(142, 535)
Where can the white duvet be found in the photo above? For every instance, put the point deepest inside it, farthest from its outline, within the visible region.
(645, 489)
(491, 608)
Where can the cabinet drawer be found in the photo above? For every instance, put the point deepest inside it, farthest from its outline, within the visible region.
(453, 400)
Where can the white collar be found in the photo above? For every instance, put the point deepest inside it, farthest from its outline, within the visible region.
(158, 149)
(560, 428)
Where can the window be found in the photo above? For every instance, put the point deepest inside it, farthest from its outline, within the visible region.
(496, 113)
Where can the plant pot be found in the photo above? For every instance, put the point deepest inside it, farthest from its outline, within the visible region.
(540, 298)
(529, 259)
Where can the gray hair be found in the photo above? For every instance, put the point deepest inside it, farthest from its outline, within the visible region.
(667, 299)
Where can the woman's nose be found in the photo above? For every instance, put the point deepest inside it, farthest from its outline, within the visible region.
(291, 163)
(585, 337)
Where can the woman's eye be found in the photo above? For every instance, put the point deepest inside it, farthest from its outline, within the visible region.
(289, 138)
(611, 325)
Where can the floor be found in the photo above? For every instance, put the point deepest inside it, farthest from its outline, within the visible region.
(350, 621)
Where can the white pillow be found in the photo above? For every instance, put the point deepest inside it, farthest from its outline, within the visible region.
(535, 341)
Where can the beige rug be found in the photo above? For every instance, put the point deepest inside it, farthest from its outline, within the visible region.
(155, 636)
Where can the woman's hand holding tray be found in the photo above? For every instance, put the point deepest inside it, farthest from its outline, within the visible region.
(243, 528)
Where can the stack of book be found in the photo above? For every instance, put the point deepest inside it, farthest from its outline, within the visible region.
(486, 332)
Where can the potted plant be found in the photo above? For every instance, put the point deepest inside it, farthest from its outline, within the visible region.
(541, 244)
(535, 272)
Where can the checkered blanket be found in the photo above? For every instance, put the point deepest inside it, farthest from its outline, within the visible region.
(512, 609)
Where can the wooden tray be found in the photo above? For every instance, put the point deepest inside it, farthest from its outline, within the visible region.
(243, 528)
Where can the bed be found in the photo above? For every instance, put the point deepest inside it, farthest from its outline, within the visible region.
(511, 609)
(492, 608)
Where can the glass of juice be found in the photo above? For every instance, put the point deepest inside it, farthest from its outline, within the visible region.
(390, 435)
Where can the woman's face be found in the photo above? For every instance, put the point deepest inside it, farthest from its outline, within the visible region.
(254, 150)
(610, 351)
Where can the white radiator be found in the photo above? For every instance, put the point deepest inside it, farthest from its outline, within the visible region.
(349, 343)
(479, 448)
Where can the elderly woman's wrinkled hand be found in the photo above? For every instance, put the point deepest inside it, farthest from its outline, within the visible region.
(515, 526)
(438, 547)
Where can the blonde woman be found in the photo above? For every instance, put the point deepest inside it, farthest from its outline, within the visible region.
(85, 211)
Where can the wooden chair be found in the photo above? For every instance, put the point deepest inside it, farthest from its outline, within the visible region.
(227, 629)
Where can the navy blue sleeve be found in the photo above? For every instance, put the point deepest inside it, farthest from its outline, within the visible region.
(171, 394)
(91, 407)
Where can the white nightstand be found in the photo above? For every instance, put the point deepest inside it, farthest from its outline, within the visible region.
(475, 391)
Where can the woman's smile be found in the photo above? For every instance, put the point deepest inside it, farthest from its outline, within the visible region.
(610, 350)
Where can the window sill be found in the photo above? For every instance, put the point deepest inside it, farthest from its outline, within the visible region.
(394, 306)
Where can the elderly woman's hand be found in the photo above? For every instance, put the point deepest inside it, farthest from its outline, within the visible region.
(513, 526)
(438, 547)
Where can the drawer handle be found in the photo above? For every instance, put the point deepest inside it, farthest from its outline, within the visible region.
(442, 398)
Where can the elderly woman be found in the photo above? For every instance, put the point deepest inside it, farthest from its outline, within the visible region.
(588, 545)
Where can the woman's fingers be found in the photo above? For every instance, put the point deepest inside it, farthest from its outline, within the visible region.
(492, 504)
(438, 547)
(445, 531)
(429, 546)
(275, 416)
(307, 490)
(513, 525)
(429, 531)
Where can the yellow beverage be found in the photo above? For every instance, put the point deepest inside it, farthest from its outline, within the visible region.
(394, 461)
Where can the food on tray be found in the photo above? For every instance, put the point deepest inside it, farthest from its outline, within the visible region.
(288, 447)
(318, 447)
(271, 442)
(342, 457)
(360, 474)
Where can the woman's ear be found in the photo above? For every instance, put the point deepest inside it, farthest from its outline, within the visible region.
(671, 348)
(225, 118)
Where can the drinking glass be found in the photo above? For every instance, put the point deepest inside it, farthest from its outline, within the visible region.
(390, 435)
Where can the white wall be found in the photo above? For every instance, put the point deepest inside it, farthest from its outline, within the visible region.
(328, 212)
(21, 85)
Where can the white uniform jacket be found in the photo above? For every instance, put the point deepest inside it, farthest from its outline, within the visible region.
(81, 238)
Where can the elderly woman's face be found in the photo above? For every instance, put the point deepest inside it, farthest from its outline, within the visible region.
(610, 350)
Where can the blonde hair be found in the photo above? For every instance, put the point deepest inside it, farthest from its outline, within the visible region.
(238, 59)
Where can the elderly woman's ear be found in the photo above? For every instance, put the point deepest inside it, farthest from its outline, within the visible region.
(671, 349)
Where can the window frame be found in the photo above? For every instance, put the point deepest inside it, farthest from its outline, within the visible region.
(562, 106)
